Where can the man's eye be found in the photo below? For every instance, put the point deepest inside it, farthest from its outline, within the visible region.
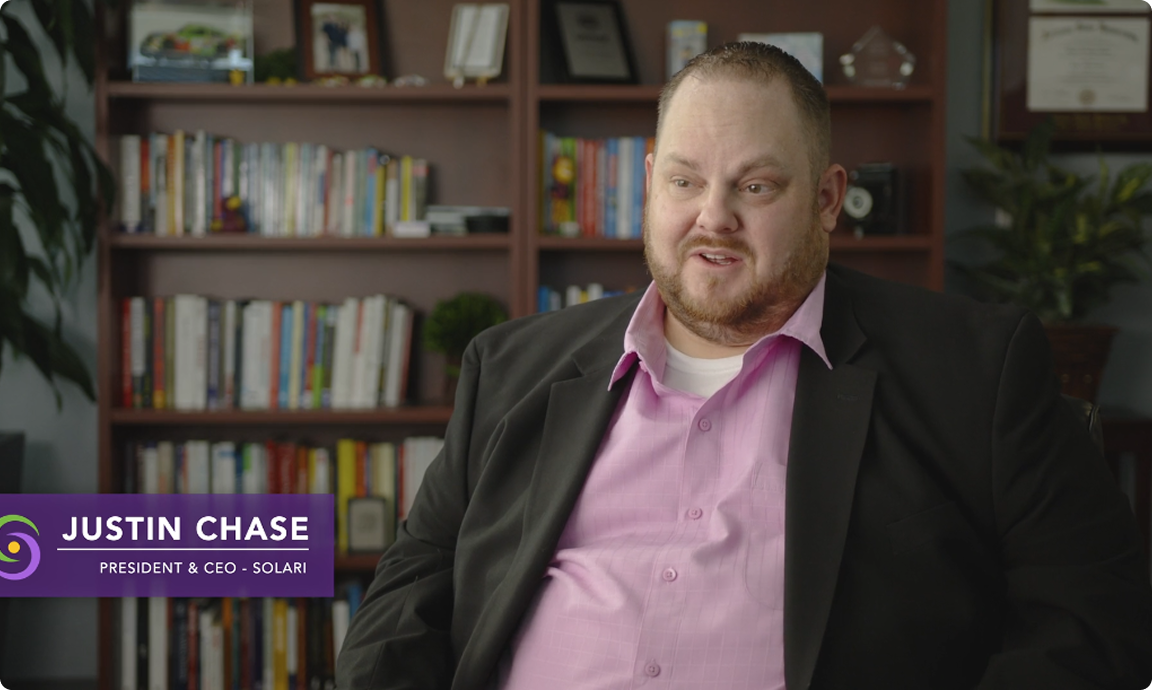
(757, 188)
(682, 184)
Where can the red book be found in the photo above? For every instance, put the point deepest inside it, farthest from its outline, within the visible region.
(271, 454)
(302, 469)
(274, 380)
(361, 469)
(158, 344)
(126, 353)
(287, 472)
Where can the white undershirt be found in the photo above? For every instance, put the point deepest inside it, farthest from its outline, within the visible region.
(697, 375)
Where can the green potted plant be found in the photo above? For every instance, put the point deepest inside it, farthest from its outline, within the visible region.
(1065, 241)
(453, 324)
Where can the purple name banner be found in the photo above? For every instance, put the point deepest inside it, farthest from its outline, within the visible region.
(166, 545)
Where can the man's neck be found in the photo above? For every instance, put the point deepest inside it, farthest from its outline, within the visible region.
(694, 345)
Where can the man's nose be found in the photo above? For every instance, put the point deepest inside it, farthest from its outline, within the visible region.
(717, 212)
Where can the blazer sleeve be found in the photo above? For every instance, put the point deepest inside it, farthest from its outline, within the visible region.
(1079, 603)
(400, 635)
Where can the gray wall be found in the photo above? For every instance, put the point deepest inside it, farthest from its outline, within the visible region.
(52, 639)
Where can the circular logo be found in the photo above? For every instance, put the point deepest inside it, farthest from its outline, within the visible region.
(20, 548)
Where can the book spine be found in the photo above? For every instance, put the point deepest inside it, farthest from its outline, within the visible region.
(149, 360)
(214, 352)
(228, 366)
(130, 183)
(159, 350)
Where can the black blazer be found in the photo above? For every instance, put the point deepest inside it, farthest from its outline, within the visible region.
(950, 523)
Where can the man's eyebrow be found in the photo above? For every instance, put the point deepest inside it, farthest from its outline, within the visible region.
(767, 161)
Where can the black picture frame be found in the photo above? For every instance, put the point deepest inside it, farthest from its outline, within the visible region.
(591, 42)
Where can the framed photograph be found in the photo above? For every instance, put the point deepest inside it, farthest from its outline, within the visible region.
(1090, 72)
(476, 41)
(341, 38)
(594, 42)
(195, 43)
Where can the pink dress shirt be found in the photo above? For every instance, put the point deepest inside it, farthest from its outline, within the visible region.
(670, 571)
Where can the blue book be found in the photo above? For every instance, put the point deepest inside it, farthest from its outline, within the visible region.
(542, 299)
(613, 151)
(638, 186)
(285, 354)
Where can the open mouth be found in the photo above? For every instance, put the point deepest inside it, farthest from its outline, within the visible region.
(717, 259)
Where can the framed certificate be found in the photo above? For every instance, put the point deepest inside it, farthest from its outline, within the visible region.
(594, 42)
(1088, 71)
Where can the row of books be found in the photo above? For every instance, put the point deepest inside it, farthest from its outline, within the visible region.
(181, 183)
(190, 352)
(352, 469)
(549, 299)
(593, 187)
(232, 643)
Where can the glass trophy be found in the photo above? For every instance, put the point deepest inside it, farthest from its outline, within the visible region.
(878, 60)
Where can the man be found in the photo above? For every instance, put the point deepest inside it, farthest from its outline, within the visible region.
(761, 473)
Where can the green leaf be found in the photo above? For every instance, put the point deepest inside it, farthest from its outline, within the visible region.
(26, 57)
(83, 33)
(48, 13)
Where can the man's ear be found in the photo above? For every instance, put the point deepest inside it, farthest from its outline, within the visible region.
(830, 192)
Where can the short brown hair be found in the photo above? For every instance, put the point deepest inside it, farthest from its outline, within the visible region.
(760, 62)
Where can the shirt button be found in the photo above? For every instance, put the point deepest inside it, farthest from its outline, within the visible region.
(669, 574)
(705, 425)
(695, 513)
(652, 670)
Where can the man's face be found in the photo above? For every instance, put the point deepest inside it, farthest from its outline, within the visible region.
(735, 231)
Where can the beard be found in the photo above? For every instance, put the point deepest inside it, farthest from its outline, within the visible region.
(760, 309)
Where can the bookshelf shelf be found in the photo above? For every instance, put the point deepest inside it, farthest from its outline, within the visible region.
(398, 416)
(306, 93)
(143, 242)
(588, 244)
(556, 93)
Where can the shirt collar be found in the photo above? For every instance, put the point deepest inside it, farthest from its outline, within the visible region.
(644, 337)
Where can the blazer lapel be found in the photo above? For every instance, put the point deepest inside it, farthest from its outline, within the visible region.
(579, 409)
(829, 427)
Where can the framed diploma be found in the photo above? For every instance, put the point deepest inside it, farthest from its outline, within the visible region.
(594, 42)
(1086, 65)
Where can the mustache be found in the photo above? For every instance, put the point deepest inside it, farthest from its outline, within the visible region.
(732, 244)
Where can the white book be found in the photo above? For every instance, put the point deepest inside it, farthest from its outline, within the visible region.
(206, 670)
(348, 212)
(374, 342)
(227, 394)
(130, 219)
(198, 467)
(150, 469)
(296, 355)
(200, 357)
(200, 202)
(391, 195)
(128, 651)
(360, 355)
(250, 358)
(304, 195)
(340, 616)
(342, 357)
(321, 469)
(400, 337)
(248, 478)
(419, 452)
(268, 184)
(624, 163)
(224, 467)
(157, 643)
(293, 639)
(185, 351)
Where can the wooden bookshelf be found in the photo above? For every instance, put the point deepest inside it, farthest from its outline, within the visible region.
(482, 144)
